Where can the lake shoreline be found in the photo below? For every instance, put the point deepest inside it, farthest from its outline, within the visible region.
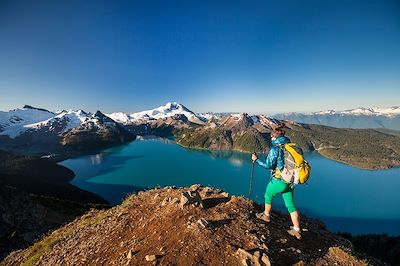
(71, 155)
(322, 154)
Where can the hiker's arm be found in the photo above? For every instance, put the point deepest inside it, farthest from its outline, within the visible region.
(270, 162)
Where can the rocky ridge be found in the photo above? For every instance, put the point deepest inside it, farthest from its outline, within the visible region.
(188, 226)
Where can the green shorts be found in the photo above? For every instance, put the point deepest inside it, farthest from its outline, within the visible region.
(276, 186)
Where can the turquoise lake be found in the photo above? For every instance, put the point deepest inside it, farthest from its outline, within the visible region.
(345, 198)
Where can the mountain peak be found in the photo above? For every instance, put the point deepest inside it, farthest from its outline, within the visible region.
(35, 108)
(174, 106)
(99, 114)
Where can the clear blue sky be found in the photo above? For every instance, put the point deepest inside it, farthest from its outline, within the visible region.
(250, 56)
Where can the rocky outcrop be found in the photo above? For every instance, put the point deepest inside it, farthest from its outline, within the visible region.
(157, 226)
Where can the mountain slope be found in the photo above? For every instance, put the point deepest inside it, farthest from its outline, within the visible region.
(364, 148)
(233, 132)
(63, 121)
(189, 226)
(97, 131)
(17, 121)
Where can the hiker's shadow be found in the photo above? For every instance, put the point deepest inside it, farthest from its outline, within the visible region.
(212, 202)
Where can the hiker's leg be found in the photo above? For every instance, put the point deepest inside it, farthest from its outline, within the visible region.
(295, 219)
(274, 187)
(267, 208)
(288, 198)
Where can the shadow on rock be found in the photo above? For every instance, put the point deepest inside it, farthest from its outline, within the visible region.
(212, 202)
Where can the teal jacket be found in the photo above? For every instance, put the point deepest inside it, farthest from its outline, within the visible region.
(275, 157)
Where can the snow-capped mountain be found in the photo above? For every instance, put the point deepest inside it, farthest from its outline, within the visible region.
(375, 117)
(17, 121)
(38, 130)
(168, 110)
(28, 119)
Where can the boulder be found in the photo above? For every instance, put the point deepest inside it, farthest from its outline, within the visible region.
(246, 262)
(265, 260)
(256, 258)
(225, 194)
(165, 201)
(242, 252)
(129, 256)
(191, 197)
(174, 200)
(204, 223)
(151, 257)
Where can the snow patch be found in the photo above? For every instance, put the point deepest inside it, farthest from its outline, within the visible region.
(120, 117)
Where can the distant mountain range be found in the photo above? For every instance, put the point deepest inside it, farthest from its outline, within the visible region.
(29, 119)
(38, 131)
(374, 117)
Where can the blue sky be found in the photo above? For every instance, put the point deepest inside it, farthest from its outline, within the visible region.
(247, 56)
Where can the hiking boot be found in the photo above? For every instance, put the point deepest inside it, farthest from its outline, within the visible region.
(263, 217)
(296, 234)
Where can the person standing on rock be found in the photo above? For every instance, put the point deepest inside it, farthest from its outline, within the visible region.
(275, 162)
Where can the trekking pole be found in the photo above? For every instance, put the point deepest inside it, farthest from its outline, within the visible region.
(251, 177)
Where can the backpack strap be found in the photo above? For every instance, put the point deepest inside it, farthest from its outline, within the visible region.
(281, 147)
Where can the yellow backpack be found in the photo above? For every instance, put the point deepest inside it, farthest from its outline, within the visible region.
(297, 169)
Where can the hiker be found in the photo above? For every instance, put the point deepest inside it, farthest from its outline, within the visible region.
(275, 163)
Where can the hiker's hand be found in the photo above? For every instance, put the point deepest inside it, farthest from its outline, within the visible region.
(254, 157)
